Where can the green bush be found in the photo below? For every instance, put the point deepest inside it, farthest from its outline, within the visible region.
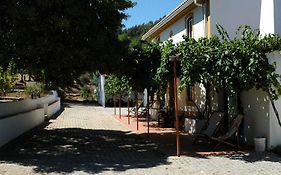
(34, 90)
(8, 78)
(85, 92)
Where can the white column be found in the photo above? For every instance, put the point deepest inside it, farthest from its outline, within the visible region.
(267, 17)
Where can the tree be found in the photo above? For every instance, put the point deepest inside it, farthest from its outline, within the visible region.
(234, 65)
(198, 65)
(8, 78)
(117, 85)
(59, 40)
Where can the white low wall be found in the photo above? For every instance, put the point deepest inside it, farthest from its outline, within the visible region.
(16, 107)
(53, 108)
(12, 127)
(11, 108)
(16, 118)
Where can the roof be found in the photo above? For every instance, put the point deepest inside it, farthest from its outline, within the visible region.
(168, 18)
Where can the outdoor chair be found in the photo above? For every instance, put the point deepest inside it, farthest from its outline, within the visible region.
(138, 107)
(234, 129)
(212, 126)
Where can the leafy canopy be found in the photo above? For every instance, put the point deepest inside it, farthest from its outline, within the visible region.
(61, 38)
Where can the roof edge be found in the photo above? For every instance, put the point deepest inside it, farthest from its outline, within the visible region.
(167, 18)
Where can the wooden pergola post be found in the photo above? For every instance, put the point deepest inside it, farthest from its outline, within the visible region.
(120, 107)
(147, 113)
(128, 103)
(174, 59)
(137, 111)
(114, 102)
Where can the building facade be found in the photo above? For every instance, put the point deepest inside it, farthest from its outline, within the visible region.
(198, 18)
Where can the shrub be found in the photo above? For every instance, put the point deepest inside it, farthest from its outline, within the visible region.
(34, 90)
(85, 92)
(8, 78)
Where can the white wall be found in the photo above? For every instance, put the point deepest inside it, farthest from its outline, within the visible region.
(275, 129)
(179, 29)
(256, 120)
(277, 16)
(15, 107)
(259, 14)
(53, 108)
(260, 119)
(18, 117)
(267, 17)
(199, 23)
(233, 13)
(12, 127)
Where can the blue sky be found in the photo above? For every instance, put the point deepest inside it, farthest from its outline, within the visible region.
(149, 10)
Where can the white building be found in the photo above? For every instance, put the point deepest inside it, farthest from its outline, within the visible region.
(198, 18)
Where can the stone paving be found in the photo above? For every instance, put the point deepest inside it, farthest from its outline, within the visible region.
(87, 140)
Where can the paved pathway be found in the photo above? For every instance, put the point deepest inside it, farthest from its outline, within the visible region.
(87, 140)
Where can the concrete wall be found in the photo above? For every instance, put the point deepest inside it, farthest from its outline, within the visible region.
(267, 17)
(53, 108)
(256, 119)
(15, 107)
(277, 16)
(12, 127)
(259, 14)
(260, 119)
(275, 129)
(199, 23)
(17, 118)
(231, 14)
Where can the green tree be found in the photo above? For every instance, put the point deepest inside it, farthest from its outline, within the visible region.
(61, 39)
(8, 78)
(117, 85)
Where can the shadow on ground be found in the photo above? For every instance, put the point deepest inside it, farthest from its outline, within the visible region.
(91, 151)
(203, 148)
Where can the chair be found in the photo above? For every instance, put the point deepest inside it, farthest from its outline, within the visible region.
(136, 108)
(212, 127)
(232, 130)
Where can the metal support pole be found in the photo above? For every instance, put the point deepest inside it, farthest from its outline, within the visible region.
(147, 113)
(176, 108)
(128, 103)
(137, 112)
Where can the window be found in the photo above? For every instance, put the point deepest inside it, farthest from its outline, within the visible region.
(171, 34)
(189, 26)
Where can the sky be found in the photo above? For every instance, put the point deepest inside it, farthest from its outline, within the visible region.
(149, 10)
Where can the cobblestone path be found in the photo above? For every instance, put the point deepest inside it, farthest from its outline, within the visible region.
(86, 140)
